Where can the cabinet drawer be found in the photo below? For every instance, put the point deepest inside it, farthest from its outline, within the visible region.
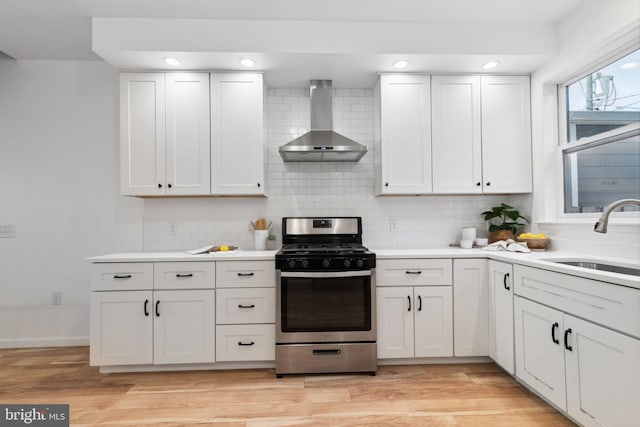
(236, 343)
(610, 305)
(245, 274)
(414, 272)
(184, 275)
(251, 305)
(122, 276)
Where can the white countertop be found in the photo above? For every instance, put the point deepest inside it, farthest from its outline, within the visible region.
(533, 259)
(238, 255)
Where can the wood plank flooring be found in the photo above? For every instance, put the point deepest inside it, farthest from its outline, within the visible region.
(426, 395)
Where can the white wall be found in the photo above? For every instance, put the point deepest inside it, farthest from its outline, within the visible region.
(59, 187)
(590, 36)
(320, 189)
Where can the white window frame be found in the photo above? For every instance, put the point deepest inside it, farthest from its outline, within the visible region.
(564, 146)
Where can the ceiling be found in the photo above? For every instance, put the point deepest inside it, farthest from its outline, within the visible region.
(292, 41)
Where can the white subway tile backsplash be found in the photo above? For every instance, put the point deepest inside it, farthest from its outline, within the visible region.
(321, 189)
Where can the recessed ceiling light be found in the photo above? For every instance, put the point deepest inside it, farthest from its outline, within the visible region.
(247, 62)
(629, 65)
(172, 61)
(401, 64)
(489, 65)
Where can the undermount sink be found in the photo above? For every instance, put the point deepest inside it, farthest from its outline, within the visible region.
(595, 265)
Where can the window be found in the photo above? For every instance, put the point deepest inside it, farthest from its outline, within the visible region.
(600, 136)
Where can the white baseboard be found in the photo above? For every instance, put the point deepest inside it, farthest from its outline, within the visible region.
(44, 342)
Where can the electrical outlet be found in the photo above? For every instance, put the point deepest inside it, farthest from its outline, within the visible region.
(8, 231)
(56, 298)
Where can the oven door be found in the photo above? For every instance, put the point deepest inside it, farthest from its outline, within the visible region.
(317, 307)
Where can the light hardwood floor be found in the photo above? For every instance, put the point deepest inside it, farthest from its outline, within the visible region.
(425, 395)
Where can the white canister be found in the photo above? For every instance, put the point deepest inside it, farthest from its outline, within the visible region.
(260, 239)
(468, 233)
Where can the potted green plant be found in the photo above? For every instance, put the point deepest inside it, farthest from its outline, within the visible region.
(504, 220)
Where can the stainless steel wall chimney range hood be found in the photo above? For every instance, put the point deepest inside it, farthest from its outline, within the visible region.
(321, 143)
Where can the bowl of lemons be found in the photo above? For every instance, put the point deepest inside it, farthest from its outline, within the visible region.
(535, 242)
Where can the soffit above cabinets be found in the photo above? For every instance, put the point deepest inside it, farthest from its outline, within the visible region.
(292, 41)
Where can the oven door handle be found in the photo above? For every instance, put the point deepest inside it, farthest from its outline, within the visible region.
(327, 274)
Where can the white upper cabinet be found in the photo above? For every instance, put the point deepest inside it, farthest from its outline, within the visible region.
(403, 165)
(192, 134)
(187, 136)
(481, 134)
(237, 134)
(164, 140)
(506, 134)
(456, 133)
(142, 134)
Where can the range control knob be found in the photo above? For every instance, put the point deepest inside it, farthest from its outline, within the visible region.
(347, 263)
(292, 263)
(326, 263)
(359, 263)
(305, 263)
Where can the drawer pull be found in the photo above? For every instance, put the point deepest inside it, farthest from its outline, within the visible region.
(146, 309)
(157, 311)
(419, 302)
(413, 272)
(409, 298)
(246, 344)
(128, 276)
(504, 281)
(327, 352)
(246, 306)
(245, 274)
(184, 275)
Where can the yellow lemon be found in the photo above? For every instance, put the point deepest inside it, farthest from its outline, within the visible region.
(224, 248)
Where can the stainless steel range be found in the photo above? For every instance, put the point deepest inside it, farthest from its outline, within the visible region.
(326, 298)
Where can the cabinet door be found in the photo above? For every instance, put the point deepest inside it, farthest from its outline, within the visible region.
(456, 134)
(237, 134)
(433, 315)
(142, 134)
(506, 134)
(539, 349)
(603, 375)
(121, 328)
(184, 327)
(395, 322)
(471, 301)
(405, 133)
(501, 315)
(187, 136)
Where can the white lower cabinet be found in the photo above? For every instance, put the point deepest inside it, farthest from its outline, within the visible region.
(245, 311)
(589, 371)
(147, 327)
(414, 322)
(183, 327)
(235, 343)
(501, 341)
(152, 313)
(121, 328)
(470, 307)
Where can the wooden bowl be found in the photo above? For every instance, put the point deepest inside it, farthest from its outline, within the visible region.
(536, 244)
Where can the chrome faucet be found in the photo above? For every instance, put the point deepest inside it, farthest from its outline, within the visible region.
(601, 225)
